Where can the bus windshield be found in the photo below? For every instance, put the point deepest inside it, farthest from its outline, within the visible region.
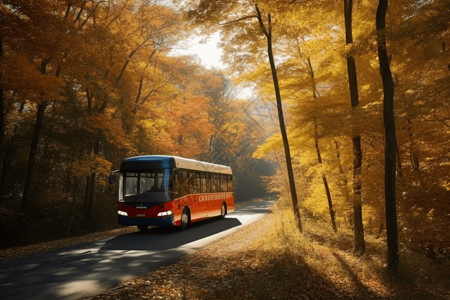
(148, 185)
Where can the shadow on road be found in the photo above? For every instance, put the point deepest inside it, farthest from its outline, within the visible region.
(168, 238)
(83, 270)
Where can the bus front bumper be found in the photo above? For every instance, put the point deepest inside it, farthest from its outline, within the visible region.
(162, 221)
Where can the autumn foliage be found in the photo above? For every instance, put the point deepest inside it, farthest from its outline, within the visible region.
(85, 84)
(310, 50)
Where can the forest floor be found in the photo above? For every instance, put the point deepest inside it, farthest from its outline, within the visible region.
(269, 259)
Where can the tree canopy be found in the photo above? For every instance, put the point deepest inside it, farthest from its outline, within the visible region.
(310, 49)
(85, 83)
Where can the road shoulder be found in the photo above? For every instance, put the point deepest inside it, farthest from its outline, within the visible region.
(199, 275)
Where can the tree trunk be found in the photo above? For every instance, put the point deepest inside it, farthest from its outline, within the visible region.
(268, 33)
(316, 95)
(341, 171)
(90, 181)
(34, 144)
(324, 179)
(32, 158)
(2, 126)
(90, 194)
(390, 136)
(359, 247)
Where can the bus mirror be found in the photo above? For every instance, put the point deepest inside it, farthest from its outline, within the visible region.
(111, 178)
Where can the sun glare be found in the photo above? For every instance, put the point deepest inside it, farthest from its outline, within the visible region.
(204, 48)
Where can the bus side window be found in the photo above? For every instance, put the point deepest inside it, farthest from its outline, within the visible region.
(184, 185)
(214, 183)
(191, 177)
(175, 185)
(223, 183)
(208, 182)
(230, 183)
(197, 183)
(203, 182)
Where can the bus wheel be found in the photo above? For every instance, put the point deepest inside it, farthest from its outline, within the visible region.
(223, 210)
(184, 219)
(142, 228)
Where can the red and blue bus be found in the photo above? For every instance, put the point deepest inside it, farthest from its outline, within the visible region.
(159, 190)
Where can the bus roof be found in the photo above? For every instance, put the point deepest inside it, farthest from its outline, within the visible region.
(167, 161)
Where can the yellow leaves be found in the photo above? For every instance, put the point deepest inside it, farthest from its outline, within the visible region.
(110, 128)
(272, 144)
(24, 77)
(89, 165)
(214, 81)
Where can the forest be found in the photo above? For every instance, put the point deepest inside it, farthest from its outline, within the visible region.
(86, 83)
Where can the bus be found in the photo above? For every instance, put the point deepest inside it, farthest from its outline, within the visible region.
(160, 190)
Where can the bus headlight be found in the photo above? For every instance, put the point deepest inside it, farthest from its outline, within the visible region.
(122, 213)
(165, 213)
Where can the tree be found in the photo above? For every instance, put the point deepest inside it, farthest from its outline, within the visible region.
(2, 123)
(205, 11)
(267, 30)
(359, 246)
(315, 95)
(28, 20)
(90, 82)
(390, 136)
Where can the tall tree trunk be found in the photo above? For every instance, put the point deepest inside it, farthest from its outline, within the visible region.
(268, 33)
(2, 126)
(316, 95)
(34, 145)
(89, 200)
(324, 179)
(359, 247)
(390, 136)
(90, 181)
(341, 171)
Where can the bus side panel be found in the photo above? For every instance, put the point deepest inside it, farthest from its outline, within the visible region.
(202, 206)
(178, 206)
(193, 206)
(198, 209)
(228, 198)
(215, 205)
(230, 203)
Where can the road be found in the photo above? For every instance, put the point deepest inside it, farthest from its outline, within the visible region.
(87, 269)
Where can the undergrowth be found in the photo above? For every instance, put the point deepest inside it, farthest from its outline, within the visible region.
(329, 261)
(271, 259)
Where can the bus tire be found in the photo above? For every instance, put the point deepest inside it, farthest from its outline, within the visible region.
(223, 210)
(142, 228)
(185, 219)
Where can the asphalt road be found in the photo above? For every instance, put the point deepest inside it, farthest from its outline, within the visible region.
(87, 269)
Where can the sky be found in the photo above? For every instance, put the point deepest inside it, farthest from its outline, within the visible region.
(204, 48)
(206, 51)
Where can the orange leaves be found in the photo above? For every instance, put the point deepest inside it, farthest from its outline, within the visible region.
(22, 76)
(89, 165)
(110, 128)
(214, 81)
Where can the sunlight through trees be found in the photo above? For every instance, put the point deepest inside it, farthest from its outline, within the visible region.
(84, 84)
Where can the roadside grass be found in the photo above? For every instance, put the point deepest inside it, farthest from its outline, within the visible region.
(272, 260)
(319, 264)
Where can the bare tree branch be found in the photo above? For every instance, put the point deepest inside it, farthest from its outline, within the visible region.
(261, 23)
(238, 20)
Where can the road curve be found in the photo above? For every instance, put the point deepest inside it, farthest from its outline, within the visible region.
(87, 269)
